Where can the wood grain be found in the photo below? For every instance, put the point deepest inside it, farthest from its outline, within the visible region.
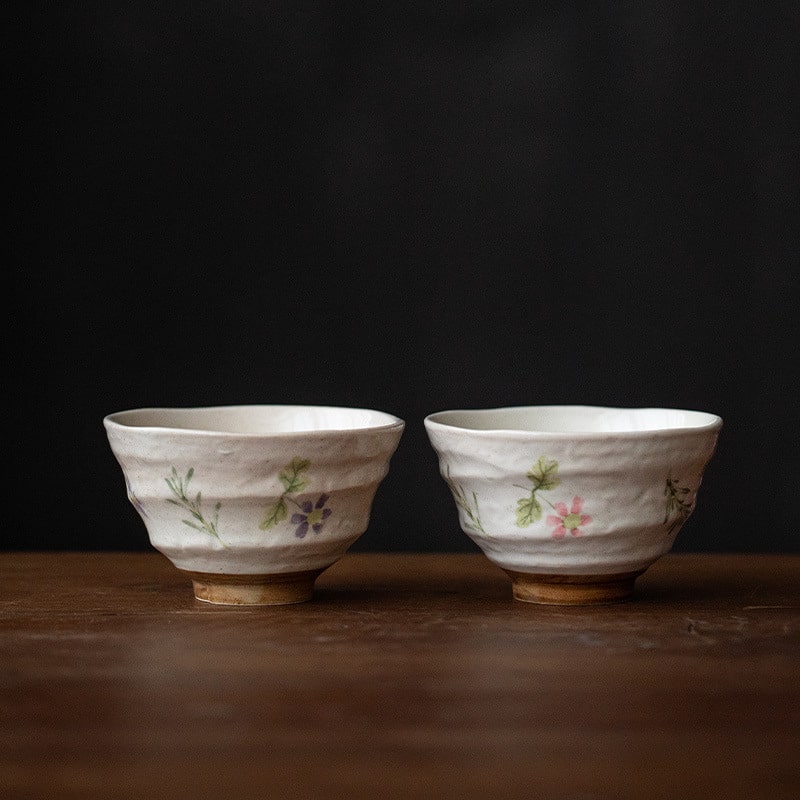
(406, 676)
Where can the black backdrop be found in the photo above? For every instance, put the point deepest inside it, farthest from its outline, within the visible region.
(407, 207)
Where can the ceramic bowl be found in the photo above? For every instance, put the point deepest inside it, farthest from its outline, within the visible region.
(573, 502)
(253, 502)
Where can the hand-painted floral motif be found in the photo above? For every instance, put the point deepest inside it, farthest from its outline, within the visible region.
(679, 504)
(179, 488)
(568, 520)
(472, 514)
(312, 516)
(293, 478)
(543, 476)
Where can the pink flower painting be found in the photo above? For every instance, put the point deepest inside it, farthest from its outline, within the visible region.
(568, 520)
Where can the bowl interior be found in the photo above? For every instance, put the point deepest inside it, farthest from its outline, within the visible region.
(575, 419)
(255, 419)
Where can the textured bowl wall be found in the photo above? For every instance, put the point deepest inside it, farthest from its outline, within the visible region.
(243, 504)
(541, 503)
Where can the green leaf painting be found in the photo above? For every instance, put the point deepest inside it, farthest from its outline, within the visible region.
(294, 479)
(543, 476)
(180, 487)
(274, 514)
(529, 509)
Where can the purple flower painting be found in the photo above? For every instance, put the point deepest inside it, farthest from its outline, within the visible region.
(312, 516)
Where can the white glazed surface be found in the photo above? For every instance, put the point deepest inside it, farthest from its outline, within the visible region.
(635, 474)
(208, 483)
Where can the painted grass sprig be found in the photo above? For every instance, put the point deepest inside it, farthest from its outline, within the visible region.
(459, 495)
(179, 488)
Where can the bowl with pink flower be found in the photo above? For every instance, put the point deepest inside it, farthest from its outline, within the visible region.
(253, 502)
(573, 502)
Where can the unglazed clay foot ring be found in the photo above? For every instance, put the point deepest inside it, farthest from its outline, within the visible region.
(572, 590)
(255, 590)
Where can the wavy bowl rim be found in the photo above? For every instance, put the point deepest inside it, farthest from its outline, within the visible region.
(431, 422)
(112, 421)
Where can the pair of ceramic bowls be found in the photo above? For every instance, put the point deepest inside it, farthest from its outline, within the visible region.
(254, 502)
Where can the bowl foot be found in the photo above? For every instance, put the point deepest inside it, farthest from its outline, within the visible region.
(254, 590)
(572, 590)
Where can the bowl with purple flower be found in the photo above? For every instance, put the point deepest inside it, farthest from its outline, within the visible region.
(253, 502)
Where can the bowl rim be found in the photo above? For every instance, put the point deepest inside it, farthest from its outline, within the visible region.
(121, 420)
(438, 421)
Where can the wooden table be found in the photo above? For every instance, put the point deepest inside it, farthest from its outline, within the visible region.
(407, 676)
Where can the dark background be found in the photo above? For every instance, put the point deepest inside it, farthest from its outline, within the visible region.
(408, 207)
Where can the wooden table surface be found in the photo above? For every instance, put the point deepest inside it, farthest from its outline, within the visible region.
(407, 676)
